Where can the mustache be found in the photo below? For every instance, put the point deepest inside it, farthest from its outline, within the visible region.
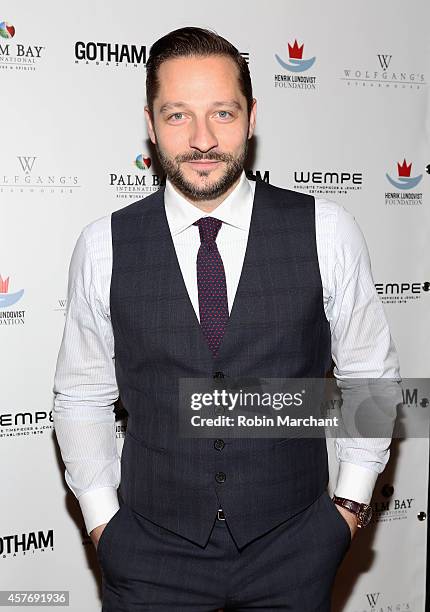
(196, 156)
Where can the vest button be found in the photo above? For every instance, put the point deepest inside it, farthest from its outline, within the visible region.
(219, 444)
(218, 375)
(220, 477)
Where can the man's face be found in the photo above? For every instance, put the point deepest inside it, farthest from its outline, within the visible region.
(200, 125)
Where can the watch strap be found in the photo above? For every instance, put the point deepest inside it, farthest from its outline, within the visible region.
(362, 511)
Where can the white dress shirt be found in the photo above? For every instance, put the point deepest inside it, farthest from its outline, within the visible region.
(85, 385)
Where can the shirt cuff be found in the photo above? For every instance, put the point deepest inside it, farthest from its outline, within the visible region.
(98, 506)
(355, 482)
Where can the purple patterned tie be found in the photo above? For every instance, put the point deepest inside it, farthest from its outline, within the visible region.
(213, 305)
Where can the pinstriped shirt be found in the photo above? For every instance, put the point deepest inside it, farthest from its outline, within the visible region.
(85, 386)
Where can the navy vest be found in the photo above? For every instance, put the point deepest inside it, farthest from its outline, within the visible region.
(277, 328)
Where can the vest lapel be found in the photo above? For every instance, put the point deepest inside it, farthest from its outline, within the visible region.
(171, 263)
(242, 304)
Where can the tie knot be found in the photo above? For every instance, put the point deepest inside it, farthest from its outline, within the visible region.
(208, 228)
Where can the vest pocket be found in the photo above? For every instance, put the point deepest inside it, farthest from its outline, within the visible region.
(159, 449)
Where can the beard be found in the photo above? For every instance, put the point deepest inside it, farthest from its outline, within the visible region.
(210, 191)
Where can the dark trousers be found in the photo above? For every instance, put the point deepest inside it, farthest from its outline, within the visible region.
(292, 567)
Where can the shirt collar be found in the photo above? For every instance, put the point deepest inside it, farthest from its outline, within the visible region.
(235, 209)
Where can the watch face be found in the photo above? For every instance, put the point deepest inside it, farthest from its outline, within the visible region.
(365, 515)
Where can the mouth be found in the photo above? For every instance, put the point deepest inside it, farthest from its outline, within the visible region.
(205, 164)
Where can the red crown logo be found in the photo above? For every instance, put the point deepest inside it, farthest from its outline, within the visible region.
(4, 285)
(404, 169)
(295, 51)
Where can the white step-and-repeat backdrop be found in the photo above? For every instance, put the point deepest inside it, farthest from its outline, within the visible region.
(342, 113)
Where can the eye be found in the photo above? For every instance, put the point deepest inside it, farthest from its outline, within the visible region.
(224, 114)
(176, 116)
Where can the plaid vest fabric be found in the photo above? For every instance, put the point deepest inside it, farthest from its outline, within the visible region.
(277, 329)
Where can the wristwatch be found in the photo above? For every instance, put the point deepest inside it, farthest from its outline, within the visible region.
(362, 511)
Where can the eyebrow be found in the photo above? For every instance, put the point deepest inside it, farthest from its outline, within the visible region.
(171, 105)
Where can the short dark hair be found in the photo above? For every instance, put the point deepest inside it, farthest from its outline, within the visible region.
(188, 42)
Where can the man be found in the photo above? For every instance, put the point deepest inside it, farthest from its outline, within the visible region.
(217, 276)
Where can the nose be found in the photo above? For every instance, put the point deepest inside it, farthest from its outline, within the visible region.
(202, 136)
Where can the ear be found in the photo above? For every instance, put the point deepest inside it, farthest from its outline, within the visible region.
(252, 118)
(150, 125)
